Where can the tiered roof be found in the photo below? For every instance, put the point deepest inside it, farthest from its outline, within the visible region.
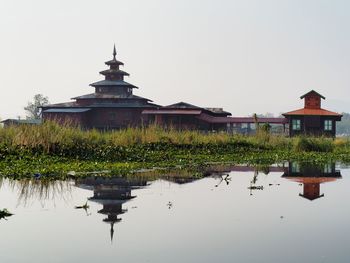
(114, 76)
(112, 92)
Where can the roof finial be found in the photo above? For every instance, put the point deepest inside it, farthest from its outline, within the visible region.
(112, 232)
(114, 52)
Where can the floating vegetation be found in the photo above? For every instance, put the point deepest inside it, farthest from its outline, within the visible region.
(51, 151)
(4, 214)
(84, 206)
(260, 187)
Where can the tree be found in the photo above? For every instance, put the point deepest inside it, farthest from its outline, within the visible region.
(343, 127)
(33, 108)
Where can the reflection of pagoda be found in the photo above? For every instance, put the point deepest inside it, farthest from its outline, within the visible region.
(312, 176)
(111, 193)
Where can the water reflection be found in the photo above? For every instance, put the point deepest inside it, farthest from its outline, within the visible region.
(172, 215)
(31, 190)
(311, 177)
(256, 170)
(111, 193)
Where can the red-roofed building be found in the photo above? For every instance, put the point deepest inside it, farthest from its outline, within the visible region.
(185, 116)
(312, 119)
(113, 105)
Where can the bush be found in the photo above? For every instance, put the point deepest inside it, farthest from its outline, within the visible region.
(304, 144)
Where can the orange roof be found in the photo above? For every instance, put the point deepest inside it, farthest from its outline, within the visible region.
(318, 112)
(312, 180)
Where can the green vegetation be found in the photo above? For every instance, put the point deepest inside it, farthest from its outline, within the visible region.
(33, 109)
(4, 214)
(58, 150)
(343, 127)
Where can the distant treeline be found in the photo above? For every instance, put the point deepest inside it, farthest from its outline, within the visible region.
(343, 127)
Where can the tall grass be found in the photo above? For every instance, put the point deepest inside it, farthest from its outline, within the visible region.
(305, 144)
(50, 135)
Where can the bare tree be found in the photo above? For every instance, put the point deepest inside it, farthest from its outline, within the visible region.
(33, 108)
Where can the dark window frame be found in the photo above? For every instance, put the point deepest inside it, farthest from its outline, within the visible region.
(328, 125)
(296, 124)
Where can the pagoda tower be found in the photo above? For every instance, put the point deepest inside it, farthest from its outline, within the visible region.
(114, 79)
(112, 106)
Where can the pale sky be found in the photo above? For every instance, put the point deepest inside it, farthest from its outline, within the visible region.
(246, 56)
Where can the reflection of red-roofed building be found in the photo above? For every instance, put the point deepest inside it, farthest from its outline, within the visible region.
(312, 177)
(312, 119)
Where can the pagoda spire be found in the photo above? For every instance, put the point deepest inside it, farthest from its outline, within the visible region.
(114, 52)
(114, 73)
(112, 231)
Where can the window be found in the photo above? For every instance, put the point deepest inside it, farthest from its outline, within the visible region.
(328, 125)
(327, 168)
(295, 167)
(296, 125)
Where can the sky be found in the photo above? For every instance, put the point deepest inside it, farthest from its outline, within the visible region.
(247, 56)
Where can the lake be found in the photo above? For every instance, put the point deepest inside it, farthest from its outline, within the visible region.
(284, 213)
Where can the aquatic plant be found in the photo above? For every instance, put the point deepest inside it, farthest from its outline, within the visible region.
(4, 213)
(52, 151)
(84, 206)
(306, 144)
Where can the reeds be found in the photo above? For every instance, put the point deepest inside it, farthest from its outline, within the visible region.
(50, 135)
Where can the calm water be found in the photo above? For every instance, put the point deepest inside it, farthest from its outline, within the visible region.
(291, 214)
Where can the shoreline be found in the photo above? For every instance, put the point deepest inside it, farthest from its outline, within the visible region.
(54, 150)
(22, 165)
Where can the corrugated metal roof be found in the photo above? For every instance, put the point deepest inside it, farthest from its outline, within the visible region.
(122, 105)
(114, 71)
(61, 105)
(20, 121)
(182, 105)
(67, 110)
(261, 120)
(214, 119)
(113, 83)
(163, 111)
(312, 112)
(104, 105)
(185, 105)
(109, 96)
(99, 105)
(218, 111)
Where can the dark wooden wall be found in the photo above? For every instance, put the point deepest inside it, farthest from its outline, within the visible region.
(312, 125)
